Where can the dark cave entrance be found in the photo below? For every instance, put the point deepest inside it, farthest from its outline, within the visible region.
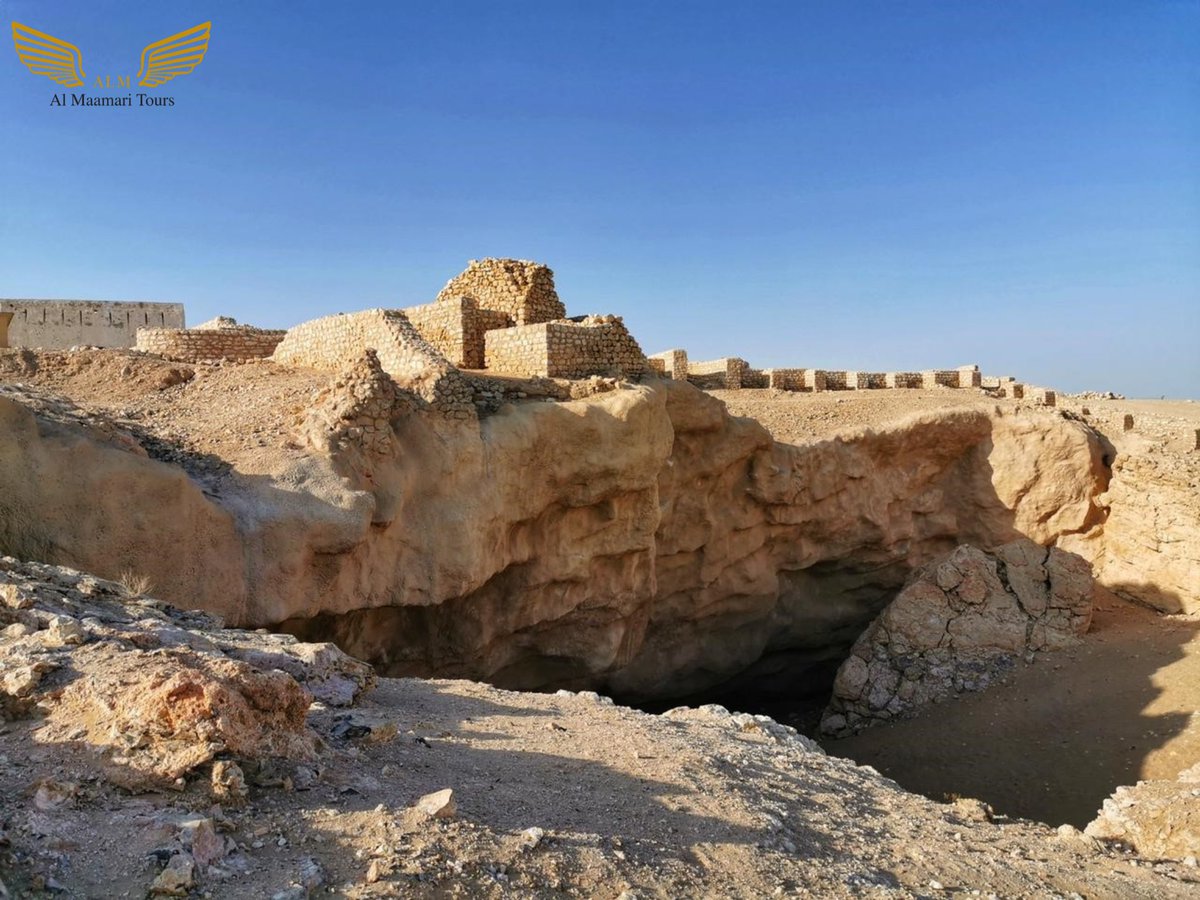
(795, 697)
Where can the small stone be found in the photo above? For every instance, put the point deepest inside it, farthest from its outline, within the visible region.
(15, 597)
(63, 631)
(312, 876)
(531, 837)
(52, 794)
(199, 837)
(935, 885)
(438, 805)
(229, 783)
(176, 878)
(374, 871)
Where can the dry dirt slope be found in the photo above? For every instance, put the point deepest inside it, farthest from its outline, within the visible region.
(555, 795)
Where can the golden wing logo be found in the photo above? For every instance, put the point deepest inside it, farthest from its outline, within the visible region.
(62, 62)
(46, 55)
(177, 55)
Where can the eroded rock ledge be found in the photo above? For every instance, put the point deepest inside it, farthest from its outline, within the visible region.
(436, 786)
(640, 541)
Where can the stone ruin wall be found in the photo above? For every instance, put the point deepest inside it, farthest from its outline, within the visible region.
(725, 373)
(521, 289)
(835, 380)
(593, 345)
(733, 373)
(455, 325)
(672, 364)
(902, 380)
(788, 379)
(61, 324)
(235, 343)
(332, 343)
(962, 377)
(864, 381)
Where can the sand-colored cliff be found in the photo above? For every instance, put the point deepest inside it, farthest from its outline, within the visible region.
(640, 540)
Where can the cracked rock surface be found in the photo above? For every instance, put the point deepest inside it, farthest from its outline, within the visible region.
(156, 691)
(1159, 819)
(957, 625)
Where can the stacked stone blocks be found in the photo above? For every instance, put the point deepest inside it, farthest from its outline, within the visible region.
(332, 342)
(455, 325)
(521, 289)
(224, 342)
(593, 345)
(671, 363)
(727, 372)
(902, 380)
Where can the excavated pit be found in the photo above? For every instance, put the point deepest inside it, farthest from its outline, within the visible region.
(645, 544)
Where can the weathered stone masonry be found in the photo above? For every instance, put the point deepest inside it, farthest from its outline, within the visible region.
(725, 373)
(210, 343)
(593, 345)
(455, 325)
(521, 289)
(671, 363)
(59, 324)
(332, 343)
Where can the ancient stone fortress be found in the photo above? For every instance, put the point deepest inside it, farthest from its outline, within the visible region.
(499, 316)
(61, 324)
(732, 373)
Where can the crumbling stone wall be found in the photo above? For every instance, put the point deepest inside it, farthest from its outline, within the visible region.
(332, 342)
(862, 381)
(785, 379)
(1042, 396)
(592, 345)
(455, 325)
(59, 324)
(755, 378)
(357, 410)
(725, 373)
(671, 363)
(962, 377)
(835, 380)
(521, 289)
(220, 339)
(902, 380)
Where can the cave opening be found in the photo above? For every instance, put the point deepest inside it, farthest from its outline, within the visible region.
(796, 698)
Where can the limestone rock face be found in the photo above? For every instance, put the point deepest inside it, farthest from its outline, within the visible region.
(959, 623)
(1159, 819)
(1149, 547)
(640, 541)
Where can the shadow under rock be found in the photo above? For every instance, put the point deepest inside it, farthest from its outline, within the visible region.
(1058, 736)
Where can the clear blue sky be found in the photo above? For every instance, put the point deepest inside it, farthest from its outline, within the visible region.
(889, 185)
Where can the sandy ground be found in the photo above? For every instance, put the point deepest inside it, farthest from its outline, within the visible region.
(693, 803)
(1053, 740)
(797, 418)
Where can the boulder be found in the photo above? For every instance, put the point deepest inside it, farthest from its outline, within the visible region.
(959, 623)
(1158, 819)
